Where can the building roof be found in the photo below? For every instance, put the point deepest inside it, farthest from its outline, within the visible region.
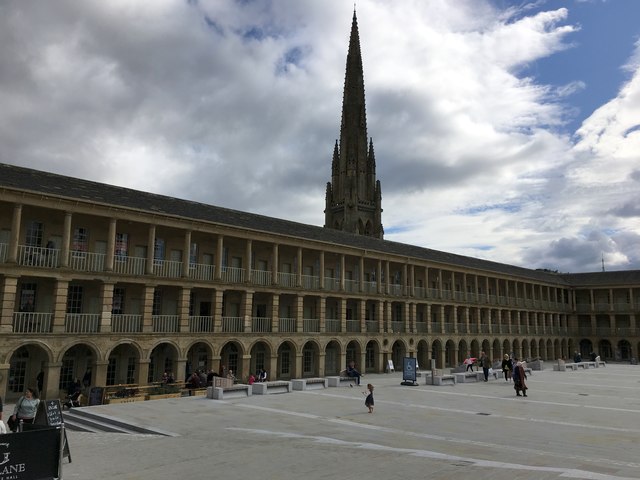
(50, 184)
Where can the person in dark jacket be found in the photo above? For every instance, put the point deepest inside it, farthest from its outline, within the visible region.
(507, 367)
(486, 365)
(519, 378)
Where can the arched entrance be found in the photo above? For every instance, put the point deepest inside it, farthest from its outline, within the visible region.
(332, 358)
(124, 365)
(286, 361)
(310, 358)
(163, 358)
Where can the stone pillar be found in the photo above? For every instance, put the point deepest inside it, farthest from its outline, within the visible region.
(111, 245)
(4, 377)
(60, 291)
(428, 319)
(361, 278)
(151, 244)
(50, 386)
(186, 258)
(322, 268)
(245, 369)
(217, 310)
(412, 280)
(147, 308)
(322, 313)
(274, 266)
(342, 314)
(380, 315)
(184, 301)
(298, 365)
(387, 316)
(106, 299)
(248, 254)
(299, 269)
(99, 376)
(403, 281)
(179, 374)
(142, 372)
(66, 240)
(406, 317)
(321, 362)
(8, 304)
(362, 313)
(275, 313)
(342, 272)
(246, 309)
(219, 255)
(272, 367)
(299, 313)
(16, 220)
(387, 278)
(379, 277)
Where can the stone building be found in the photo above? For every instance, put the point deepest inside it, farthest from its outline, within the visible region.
(127, 284)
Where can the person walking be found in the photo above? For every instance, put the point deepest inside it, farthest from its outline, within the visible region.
(368, 402)
(25, 409)
(519, 377)
(507, 366)
(486, 365)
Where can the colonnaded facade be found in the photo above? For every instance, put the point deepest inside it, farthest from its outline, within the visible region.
(126, 284)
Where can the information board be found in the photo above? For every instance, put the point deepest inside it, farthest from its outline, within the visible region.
(96, 396)
(409, 367)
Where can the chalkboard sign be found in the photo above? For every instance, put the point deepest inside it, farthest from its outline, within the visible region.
(96, 396)
(50, 413)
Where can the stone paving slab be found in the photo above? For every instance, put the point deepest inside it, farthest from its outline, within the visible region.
(583, 424)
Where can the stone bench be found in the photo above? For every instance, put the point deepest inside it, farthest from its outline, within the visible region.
(301, 384)
(600, 363)
(342, 381)
(267, 388)
(234, 391)
(469, 377)
(440, 380)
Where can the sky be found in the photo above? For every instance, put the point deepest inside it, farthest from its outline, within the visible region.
(503, 130)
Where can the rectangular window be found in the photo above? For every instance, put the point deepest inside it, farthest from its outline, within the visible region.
(118, 301)
(131, 370)
(111, 372)
(80, 240)
(122, 245)
(33, 237)
(66, 373)
(285, 366)
(307, 361)
(157, 302)
(28, 297)
(158, 249)
(74, 299)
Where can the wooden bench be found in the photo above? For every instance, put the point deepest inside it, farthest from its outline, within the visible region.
(234, 391)
(301, 384)
(267, 388)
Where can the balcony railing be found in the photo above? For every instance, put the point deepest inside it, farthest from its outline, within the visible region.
(32, 322)
(287, 279)
(165, 323)
(201, 271)
(201, 324)
(129, 265)
(38, 256)
(421, 327)
(261, 324)
(261, 277)
(332, 284)
(232, 324)
(332, 325)
(287, 325)
(82, 322)
(232, 274)
(397, 327)
(126, 323)
(372, 326)
(311, 325)
(370, 287)
(351, 286)
(87, 262)
(353, 326)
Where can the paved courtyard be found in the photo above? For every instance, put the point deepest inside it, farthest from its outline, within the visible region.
(583, 424)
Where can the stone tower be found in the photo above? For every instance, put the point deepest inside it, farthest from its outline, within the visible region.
(354, 199)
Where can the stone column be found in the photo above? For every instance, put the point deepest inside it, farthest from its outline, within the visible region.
(342, 272)
(60, 291)
(322, 268)
(361, 279)
(179, 374)
(106, 299)
(99, 374)
(8, 304)
(274, 266)
(246, 310)
(217, 310)
(66, 240)
(142, 372)
(248, 254)
(184, 300)
(322, 313)
(245, 369)
(147, 308)
(342, 314)
(186, 258)
(362, 313)
(380, 315)
(51, 380)
(275, 313)
(151, 244)
(299, 313)
(219, 255)
(321, 362)
(16, 220)
(379, 277)
(387, 278)
(111, 245)
(299, 269)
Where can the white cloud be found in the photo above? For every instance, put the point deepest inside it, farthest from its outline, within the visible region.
(238, 104)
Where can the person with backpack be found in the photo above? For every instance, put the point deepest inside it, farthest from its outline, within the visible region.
(25, 409)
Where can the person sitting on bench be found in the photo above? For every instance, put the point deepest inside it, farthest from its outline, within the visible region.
(352, 372)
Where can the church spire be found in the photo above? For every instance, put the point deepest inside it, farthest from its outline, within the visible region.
(353, 195)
